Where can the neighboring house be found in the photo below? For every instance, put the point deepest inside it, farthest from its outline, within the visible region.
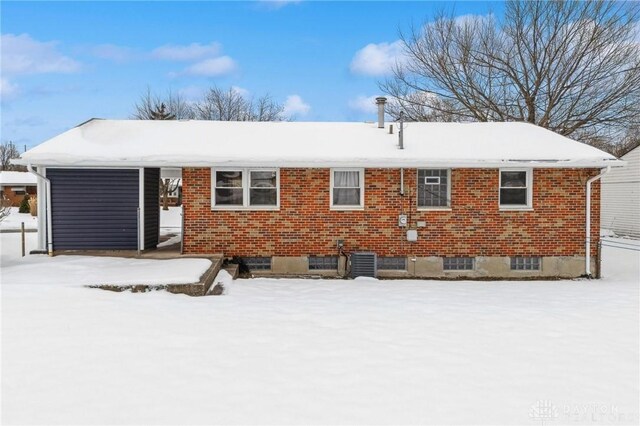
(620, 207)
(460, 199)
(15, 185)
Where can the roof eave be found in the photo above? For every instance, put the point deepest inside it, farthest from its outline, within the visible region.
(320, 163)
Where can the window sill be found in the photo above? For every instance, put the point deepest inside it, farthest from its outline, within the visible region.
(346, 208)
(245, 209)
(516, 209)
(434, 209)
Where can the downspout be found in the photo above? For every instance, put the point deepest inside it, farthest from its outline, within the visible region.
(587, 244)
(47, 183)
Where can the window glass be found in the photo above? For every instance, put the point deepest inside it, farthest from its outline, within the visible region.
(229, 188)
(392, 263)
(525, 263)
(433, 188)
(514, 179)
(323, 262)
(346, 188)
(513, 188)
(245, 188)
(263, 190)
(457, 263)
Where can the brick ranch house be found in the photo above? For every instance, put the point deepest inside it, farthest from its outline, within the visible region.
(459, 199)
(15, 185)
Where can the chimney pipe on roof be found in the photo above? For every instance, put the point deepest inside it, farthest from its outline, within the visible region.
(401, 131)
(380, 101)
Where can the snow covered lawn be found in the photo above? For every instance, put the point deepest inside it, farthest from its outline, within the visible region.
(171, 221)
(323, 351)
(14, 220)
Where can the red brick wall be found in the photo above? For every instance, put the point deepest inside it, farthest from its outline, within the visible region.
(473, 227)
(16, 199)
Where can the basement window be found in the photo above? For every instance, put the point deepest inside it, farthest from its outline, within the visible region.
(257, 263)
(516, 189)
(457, 263)
(525, 263)
(252, 189)
(323, 263)
(392, 263)
(347, 189)
(434, 188)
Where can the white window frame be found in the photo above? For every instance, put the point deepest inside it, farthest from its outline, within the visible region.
(246, 181)
(529, 188)
(360, 178)
(441, 208)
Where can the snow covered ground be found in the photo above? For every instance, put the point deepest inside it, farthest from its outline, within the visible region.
(171, 221)
(321, 351)
(14, 220)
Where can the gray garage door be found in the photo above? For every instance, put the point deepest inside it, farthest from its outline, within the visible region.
(94, 208)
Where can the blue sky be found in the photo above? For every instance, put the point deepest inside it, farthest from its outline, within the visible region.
(65, 62)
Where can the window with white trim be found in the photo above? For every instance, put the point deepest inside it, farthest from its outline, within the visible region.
(245, 188)
(434, 188)
(516, 189)
(347, 188)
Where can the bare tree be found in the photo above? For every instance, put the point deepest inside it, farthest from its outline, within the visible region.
(232, 105)
(170, 106)
(619, 145)
(572, 67)
(168, 186)
(8, 151)
(217, 104)
(5, 207)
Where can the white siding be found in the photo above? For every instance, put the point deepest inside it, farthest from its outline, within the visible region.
(620, 204)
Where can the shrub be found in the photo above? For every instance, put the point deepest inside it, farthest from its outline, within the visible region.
(24, 205)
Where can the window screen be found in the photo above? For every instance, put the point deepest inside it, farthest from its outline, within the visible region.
(525, 263)
(457, 263)
(433, 188)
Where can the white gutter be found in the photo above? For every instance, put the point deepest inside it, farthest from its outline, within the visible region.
(412, 161)
(48, 208)
(587, 244)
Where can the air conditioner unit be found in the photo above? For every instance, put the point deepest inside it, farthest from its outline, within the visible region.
(363, 264)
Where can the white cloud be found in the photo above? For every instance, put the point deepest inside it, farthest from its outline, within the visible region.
(366, 104)
(377, 59)
(21, 54)
(190, 52)
(294, 105)
(241, 91)
(214, 67)
(113, 52)
(8, 90)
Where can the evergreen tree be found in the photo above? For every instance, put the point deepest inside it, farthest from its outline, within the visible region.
(160, 113)
(24, 205)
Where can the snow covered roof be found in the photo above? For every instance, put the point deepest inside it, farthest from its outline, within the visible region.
(137, 143)
(17, 178)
